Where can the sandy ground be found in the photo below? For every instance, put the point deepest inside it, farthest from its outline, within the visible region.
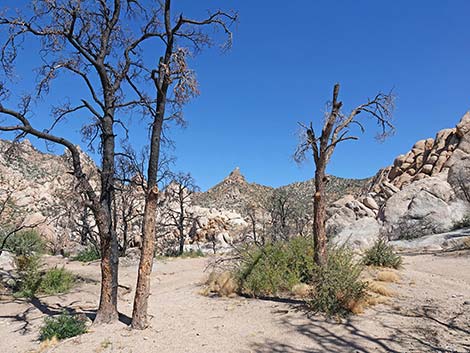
(430, 313)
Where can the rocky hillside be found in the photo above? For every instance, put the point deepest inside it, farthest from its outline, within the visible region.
(40, 190)
(426, 191)
(235, 193)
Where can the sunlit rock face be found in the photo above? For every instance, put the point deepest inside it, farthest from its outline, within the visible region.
(425, 191)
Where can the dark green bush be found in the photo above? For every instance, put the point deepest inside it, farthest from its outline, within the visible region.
(275, 267)
(463, 223)
(25, 243)
(382, 254)
(91, 253)
(56, 281)
(29, 275)
(337, 284)
(192, 254)
(62, 326)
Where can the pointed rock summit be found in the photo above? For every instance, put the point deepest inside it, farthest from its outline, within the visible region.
(236, 176)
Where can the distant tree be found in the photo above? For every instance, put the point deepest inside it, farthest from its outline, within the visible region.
(178, 199)
(174, 85)
(336, 129)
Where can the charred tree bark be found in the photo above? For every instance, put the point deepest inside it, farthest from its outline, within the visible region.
(139, 313)
(336, 129)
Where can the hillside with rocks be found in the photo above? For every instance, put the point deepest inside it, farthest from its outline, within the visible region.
(237, 194)
(424, 192)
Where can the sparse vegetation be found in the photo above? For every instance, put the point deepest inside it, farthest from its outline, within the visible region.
(56, 281)
(382, 254)
(463, 223)
(89, 254)
(24, 243)
(388, 276)
(63, 326)
(221, 283)
(275, 267)
(29, 276)
(191, 254)
(338, 288)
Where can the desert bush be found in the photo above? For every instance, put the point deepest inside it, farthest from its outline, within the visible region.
(276, 267)
(192, 254)
(25, 243)
(337, 286)
(388, 276)
(463, 223)
(63, 326)
(88, 254)
(56, 281)
(29, 275)
(382, 254)
(222, 284)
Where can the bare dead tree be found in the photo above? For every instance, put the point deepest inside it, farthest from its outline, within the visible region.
(178, 196)
(174, 85)
(336, 129)
(99, 44)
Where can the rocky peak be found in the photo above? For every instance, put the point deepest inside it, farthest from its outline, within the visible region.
(235, 177)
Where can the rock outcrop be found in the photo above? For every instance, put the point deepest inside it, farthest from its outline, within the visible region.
(424, 192)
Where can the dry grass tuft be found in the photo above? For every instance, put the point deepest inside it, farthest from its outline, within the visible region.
(223, 284)
(302, 290)
(388, 276)
(46, 345)
(376, 300)
(379, 288)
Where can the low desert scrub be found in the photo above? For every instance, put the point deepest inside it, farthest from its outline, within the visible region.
(463, 223)
(388, 276)
(302, 290)
(338, 288)
(380, 288)
(56, 281)
(88, 254)
(276, 267)
(32, 280)
(382, 254)
(63, 326)
(221, 283)
(29, 276)
(24, 243)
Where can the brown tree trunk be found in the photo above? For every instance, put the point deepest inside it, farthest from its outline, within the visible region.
(319, 216)
(142, 291)
(107, 310)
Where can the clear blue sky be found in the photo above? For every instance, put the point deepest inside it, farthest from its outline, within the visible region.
(286, 57)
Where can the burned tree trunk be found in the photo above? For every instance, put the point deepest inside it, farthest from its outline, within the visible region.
(336, 129)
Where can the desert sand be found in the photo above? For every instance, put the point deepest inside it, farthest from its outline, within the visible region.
(430, 312)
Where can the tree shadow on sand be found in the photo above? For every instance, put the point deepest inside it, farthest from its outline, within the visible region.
(415, 330)
(27, 316)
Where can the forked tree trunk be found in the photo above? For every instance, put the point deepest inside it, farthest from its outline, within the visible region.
(142, 291)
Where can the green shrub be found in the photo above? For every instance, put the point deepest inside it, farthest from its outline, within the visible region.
(62, 326)
(25, 243)
(192, 254)
(275, 267)
(91, 253)
(29, 275)
(337, 284)
(56, 281)
(463, 223)
(382, 254)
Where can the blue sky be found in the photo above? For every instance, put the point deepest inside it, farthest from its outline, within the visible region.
(281, 70)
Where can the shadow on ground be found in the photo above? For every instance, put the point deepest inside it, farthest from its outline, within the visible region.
(422, 329)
